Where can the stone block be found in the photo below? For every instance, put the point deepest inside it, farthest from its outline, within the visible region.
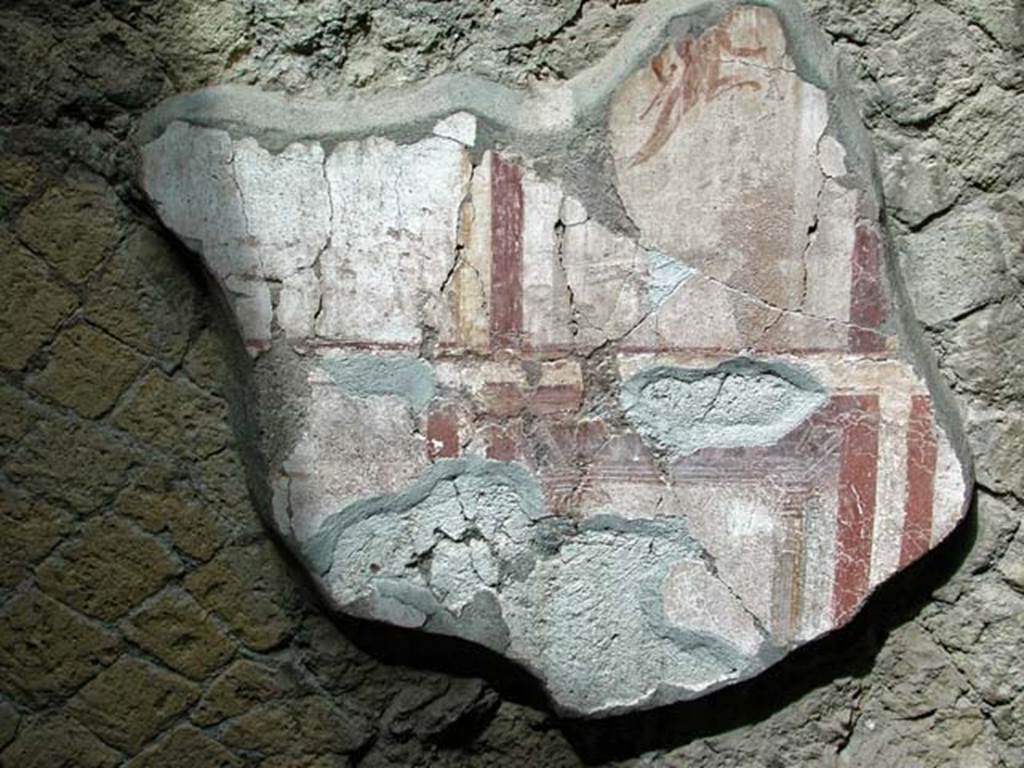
(984, 352)
(308, 725)
(31, 530)
(72, 227)
(144, 298)
(172, 414)
(130, 702)
(983, 138)
(87, 370)
(32, 304)
(47, 651)
(176, 630)
(239, 688)
(194, 526)
(248, 588)
(78, 463)
(9, 720)
(108, 569)
(964, 260)
(58, 741)
(185, 747)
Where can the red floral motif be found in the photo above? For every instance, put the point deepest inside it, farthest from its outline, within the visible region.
(688, 71)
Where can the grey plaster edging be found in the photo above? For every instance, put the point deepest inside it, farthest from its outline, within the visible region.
(276, 119)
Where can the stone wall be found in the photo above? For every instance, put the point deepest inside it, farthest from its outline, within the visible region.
(147, 619)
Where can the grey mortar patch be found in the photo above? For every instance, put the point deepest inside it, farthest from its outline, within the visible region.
(364, 375)
(739, 403)
(485, 473)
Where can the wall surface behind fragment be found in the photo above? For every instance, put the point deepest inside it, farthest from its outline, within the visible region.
(147, 619)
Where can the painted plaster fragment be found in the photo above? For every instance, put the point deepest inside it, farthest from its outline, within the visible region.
(637, 412)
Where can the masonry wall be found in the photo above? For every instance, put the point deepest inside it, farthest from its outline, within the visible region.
(146, 617)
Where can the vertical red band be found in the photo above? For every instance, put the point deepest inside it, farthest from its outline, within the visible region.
(506, 253)
(858, 473)
(867, 300)
(922, 452)
(442, 434)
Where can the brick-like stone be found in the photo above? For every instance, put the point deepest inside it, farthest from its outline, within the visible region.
(73, 227)
(983, 625)
(194, 526)
(997, 441)
(179, 632)
(30, 530)
(965, 259)
(47, 650)
(110, 568)
(172, 414)
(239, 688)
(308, 725)
(983, 138)
(220, 481)
(248, 587)
(57, 741)
(78, 463)
(32, 304)
(185, 747)
(929, 68)
(87, 370)
(985, 352)
(130, 702)
(918, 181)
(145, 298)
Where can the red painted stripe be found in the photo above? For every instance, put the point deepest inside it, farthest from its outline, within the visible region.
(442, 434)
(858, 472)
(506, 254)
(922, 452)
(867, 298)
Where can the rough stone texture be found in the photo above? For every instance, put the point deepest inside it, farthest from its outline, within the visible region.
(76, 463)
(239, 688)
(33, 304)
(143, 281)
(252, 598)
(31, 530)
(156, 413)
(77, 76)
(87, 371)
(312, 724)
(110, 568)
(761, 453)
(71, 228)
(175, 629)
(128, 703)
(47, 650)
(185, 747)
(58, 742)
